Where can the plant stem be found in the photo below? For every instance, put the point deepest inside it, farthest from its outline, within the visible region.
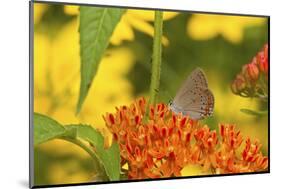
(90, 152)
(156, 57)
(156, 60)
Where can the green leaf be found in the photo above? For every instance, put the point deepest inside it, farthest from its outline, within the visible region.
(254, 112)
(109, 158)
(96, 27)
(87, 133)
(46, 129)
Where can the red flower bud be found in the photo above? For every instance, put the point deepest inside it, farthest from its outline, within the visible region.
(252, 70)
(234, 88)
(263, 60)
(251, 81)
(238, 85)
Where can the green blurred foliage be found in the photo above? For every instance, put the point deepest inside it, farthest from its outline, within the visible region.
(70, 163)
(219, 58)
(53, 20)
(184, 54)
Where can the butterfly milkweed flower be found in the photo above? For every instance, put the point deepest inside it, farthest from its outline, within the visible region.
(252, 81)
(167, 142)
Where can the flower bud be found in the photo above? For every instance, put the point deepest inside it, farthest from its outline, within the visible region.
(238, 84)
(265, 50)
(234, 88)
(252, 70)
(263, 62)
(244, 70)
(252, 78)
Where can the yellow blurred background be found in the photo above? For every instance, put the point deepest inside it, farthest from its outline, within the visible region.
(57, 69)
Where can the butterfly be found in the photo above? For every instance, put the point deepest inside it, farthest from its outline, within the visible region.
(194, 98)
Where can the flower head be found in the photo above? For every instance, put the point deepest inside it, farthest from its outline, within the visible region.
(252, 80)
(167, 142)
(249, 160)
(153, 149)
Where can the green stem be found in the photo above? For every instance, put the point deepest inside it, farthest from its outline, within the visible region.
(90, 152)
(156, 60)
(156, 57)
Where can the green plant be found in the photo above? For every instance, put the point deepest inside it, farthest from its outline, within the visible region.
(96, 28)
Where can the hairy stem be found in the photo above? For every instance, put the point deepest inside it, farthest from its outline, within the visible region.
(156, 60)
(156, 57)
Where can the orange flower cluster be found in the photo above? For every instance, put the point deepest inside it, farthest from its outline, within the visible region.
(166, 143)
(250, 160)
(253, 79)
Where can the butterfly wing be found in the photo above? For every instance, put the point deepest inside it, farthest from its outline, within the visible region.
(196, 79)
(194, 98)
(201, 105)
